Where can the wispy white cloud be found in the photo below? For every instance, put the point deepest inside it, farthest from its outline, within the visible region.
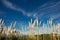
(12, 6)
(47, 9)
(15, 7)
(38, 12)
(46, 6)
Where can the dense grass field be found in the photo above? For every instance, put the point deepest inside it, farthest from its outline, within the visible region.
(35, 37)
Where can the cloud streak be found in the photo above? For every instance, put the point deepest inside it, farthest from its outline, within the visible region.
(48, 9)
(38, 12)
(14, 7)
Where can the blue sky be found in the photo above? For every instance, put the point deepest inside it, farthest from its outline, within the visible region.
(22, 11)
